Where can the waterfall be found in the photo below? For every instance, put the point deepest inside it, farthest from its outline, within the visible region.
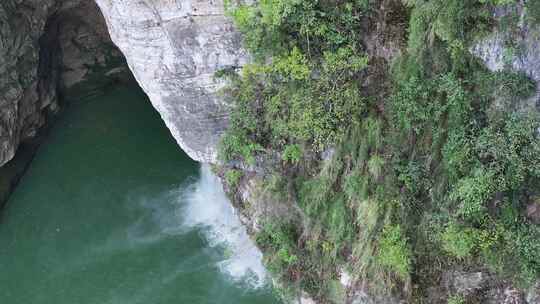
(209, 209)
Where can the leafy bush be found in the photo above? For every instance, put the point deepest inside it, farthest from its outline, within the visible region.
(375, 165)
(273, 25)
(411, 105)
(458, 241)
(232, 177)
(472, 194)
(456, 299)
(284, 100)
(533, 11)
(294, 66)
(238, 145)
(514, 155)
(517, 253)
(292, 154)
(279, 240)
(280, 103)
(512, 86)
(449, 21)
(394, 252)
(457, 114)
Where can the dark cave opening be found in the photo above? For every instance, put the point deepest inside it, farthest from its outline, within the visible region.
(76, 58)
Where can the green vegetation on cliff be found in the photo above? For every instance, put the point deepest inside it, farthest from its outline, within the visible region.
(433, 157)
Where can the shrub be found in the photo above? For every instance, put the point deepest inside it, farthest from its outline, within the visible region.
(472, 194)
(375, 165)
(458, 241)
(456, 299)
(513, 156)
(412, 175)
(232, 177)
(411, 105)
(294, 65)
(279, 242)
(533, 11)
(521, 252)
(238, 146)
(458, 156)
(444, 149)
(513, 85)
(292, 154)
(394, 252)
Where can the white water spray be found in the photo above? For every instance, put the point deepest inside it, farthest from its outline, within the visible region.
(200, 205)
(209, 208)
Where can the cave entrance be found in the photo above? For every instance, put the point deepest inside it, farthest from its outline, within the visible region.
(70, 58)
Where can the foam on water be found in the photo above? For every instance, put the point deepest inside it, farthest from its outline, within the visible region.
(208, 208)
(198, 205)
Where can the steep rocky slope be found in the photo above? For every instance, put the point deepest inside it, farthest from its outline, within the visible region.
(25, 88)
(513, 46)
(173, 49)
(266, 193)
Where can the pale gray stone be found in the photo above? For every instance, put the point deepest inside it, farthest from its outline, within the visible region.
(174, 48)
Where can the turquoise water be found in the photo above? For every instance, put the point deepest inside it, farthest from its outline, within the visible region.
(111, 211)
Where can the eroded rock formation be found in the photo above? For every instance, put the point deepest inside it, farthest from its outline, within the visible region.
(174, 48)
(25, 93)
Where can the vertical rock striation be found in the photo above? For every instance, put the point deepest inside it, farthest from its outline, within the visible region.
(173, 48)
(25, 93)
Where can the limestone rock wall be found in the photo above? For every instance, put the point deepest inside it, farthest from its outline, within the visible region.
(173, 48)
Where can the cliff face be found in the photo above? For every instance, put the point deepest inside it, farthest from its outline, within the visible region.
(25, 93)
(514, 48)
(45, 46)
(173, 48)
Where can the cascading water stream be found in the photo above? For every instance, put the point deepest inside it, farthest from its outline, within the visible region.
(209, 208)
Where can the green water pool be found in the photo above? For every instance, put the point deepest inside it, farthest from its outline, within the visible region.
(112, 211)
